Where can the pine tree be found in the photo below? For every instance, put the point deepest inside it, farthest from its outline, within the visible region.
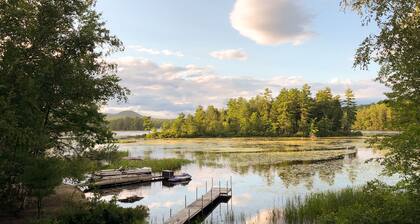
(349, 109)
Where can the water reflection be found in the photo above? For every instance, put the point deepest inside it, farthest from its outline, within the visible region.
(264, 172)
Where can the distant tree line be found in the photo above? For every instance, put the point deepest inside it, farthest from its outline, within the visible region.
(294, 112)
(374, 117)
(135, 124)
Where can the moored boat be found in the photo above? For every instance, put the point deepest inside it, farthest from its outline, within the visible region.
(121, 171)
(180, 177)
(130, 199)
(172, 184)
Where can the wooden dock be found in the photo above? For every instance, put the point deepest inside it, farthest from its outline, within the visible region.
(123, 180)
(193, 210)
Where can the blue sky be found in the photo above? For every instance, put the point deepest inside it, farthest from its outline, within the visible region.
(176, 46)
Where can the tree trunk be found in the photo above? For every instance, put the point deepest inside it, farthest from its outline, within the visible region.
(39, 201)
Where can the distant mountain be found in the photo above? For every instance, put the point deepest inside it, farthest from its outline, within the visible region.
(119, 121)
(123, 114)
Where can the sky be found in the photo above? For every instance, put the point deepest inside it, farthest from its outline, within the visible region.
(183, 53)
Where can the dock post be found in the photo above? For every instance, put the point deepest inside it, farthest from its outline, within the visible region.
(219, 186)
(185, 201)
(231, 185)
(212, 182)
(188, 215)
(202, 204)
(196, 193)
(206, 185)
(170, 212)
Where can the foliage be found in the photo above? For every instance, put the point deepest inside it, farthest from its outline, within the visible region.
(373, 203)
(396, 48)
(349, 110)
(374, 117)
(135, 123)
(147, 123)
(53, 79)
(157, 165)
(403, 157)
(127, 124)
(293, 112)
(41, 176)
(98, 212)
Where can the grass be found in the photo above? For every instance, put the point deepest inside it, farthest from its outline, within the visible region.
(157, 165)
(374, 203)
(127, 140)
(121, 154)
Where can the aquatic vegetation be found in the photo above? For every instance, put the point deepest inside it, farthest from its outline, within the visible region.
(278, 158)
(127, 140)
(157, 165)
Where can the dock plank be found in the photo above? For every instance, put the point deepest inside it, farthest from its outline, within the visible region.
(196, 207)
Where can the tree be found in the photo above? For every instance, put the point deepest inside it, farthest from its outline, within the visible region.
(199, 120)
(327, 111)
(305, 108)
(292, 113)
(54, 78)
(374, 117)
(396, 48)
(349, 110)
(313, 129)
(45, 174)
(147, 123)
(288, 111)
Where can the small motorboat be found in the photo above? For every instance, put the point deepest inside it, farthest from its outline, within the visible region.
(130, 199)
(173, 184)
(180, 178)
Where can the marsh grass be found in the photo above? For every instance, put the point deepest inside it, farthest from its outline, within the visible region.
(370, 204)
(157, 165)
(121, 154)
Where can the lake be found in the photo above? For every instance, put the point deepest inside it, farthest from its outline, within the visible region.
(265, 173)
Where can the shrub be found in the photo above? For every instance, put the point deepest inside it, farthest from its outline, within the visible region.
(98, 212)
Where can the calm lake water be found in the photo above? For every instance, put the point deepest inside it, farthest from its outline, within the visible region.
(263, 170)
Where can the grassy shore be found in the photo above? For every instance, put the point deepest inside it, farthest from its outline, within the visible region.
(374, 203)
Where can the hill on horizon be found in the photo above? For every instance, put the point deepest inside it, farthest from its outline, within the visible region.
(129, 120)
(123, 114)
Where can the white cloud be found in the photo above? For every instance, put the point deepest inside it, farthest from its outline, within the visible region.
(140, 48)
(164, 90)
(230, 54)
(272, 22)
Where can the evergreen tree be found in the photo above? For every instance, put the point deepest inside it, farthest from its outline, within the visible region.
(147, 123)
(292, 113)
(305, 108)
(349, 110)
